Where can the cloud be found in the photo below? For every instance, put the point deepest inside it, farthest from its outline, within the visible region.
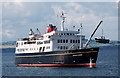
(20, 16)
(9, 33)
(15, 2)
(90, 14)
(76, 14)
(117, 1)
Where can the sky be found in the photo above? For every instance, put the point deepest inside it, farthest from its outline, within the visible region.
(19, 17)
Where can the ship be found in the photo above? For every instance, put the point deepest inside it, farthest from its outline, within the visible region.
(102, 39)
(56, 48)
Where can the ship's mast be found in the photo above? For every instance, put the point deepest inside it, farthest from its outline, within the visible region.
(103, 37)
(81, 36)
(62, 22)
(102, 32)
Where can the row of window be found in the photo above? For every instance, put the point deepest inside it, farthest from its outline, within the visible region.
(28, 43)
(66, 47)
(38, 43)
(66, 41)
(62, 41)
(41, 49)
(22, 49)
(66, 34)
(26, 49)
(48, 47)
(74, 41)
(63, 47)
(45, 42)
(18, 44)
(31, 49)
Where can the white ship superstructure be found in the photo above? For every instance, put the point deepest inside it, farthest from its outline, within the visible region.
(53, 40)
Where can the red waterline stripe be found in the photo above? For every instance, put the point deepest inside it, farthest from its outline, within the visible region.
(55, 65)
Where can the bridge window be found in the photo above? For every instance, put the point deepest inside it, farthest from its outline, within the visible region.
(62, 41)
(58, 41)
(67, 33)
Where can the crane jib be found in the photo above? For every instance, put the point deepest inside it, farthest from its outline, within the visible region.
(92, 34)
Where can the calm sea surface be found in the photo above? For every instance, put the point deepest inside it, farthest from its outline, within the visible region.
(107, 65)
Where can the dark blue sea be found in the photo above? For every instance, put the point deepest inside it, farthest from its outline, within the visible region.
(107, 65)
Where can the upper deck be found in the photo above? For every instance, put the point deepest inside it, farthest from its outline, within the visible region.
(53, 41)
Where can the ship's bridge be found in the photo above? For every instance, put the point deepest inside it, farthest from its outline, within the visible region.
(67, 32)
(64, 40)
(60, 33)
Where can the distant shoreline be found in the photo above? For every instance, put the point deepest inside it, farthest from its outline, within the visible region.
(93, 44)
(7, 46)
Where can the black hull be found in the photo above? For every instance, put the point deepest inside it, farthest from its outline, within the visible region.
(58, 58)
(102, 40)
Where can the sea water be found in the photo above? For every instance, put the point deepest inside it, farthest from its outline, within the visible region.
(107, 65)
